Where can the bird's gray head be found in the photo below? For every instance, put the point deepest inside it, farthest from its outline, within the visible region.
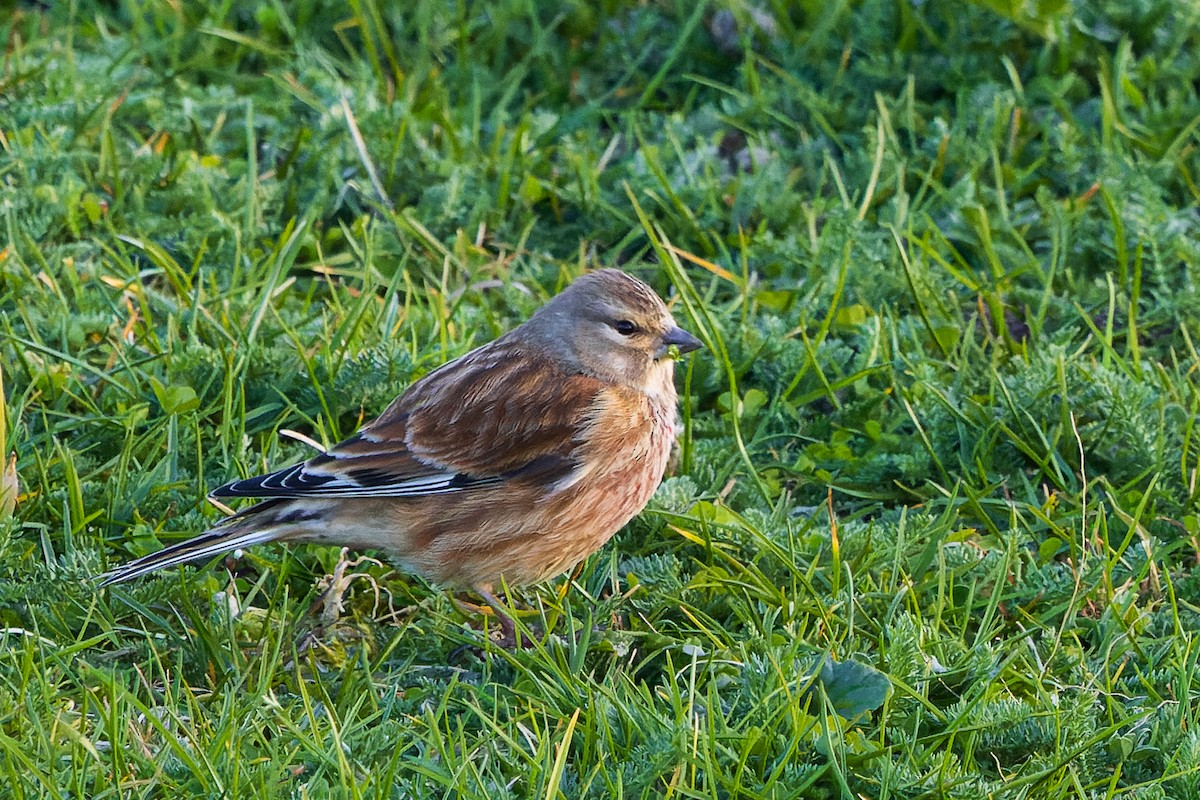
(611, 325)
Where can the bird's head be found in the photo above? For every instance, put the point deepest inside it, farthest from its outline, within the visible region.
(612, 325)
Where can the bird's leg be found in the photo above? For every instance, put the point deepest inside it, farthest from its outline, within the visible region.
(508, 631)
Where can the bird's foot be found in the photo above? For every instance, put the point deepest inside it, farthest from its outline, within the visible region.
(509, 639)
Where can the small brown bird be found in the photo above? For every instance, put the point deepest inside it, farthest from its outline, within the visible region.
(511, 463)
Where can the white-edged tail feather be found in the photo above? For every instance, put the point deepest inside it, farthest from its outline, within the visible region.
(266, 522)
(204, 546)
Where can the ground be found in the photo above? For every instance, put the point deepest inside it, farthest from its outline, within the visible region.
(933, 524)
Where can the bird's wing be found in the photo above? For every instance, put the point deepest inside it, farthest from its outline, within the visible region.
(497, 414)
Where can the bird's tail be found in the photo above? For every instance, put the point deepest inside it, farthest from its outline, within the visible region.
(265, 522)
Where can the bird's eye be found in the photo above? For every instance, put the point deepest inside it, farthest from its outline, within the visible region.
(625, 327)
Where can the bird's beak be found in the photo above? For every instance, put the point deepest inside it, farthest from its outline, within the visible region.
(680, 340)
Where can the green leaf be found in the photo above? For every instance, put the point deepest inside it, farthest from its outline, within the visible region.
(1041, 17)
(753, 402)
(1050, 548)
(852, 316)
(531, 190)
(175, 399)
(852, 687)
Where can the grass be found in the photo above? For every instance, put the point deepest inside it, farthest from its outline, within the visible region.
(935, 520)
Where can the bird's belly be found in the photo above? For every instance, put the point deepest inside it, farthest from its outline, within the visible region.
(527, 534)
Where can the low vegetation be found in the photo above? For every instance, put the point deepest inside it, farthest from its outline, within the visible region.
(934, 522)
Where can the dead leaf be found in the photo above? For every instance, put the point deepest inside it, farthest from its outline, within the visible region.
(9, 487)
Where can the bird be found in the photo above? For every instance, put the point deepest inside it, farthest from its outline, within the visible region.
(506, 466)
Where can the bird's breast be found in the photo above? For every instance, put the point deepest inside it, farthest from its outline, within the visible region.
(529, 531)
(624, 458)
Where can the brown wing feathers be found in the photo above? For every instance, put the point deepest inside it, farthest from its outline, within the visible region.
(440, 436)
